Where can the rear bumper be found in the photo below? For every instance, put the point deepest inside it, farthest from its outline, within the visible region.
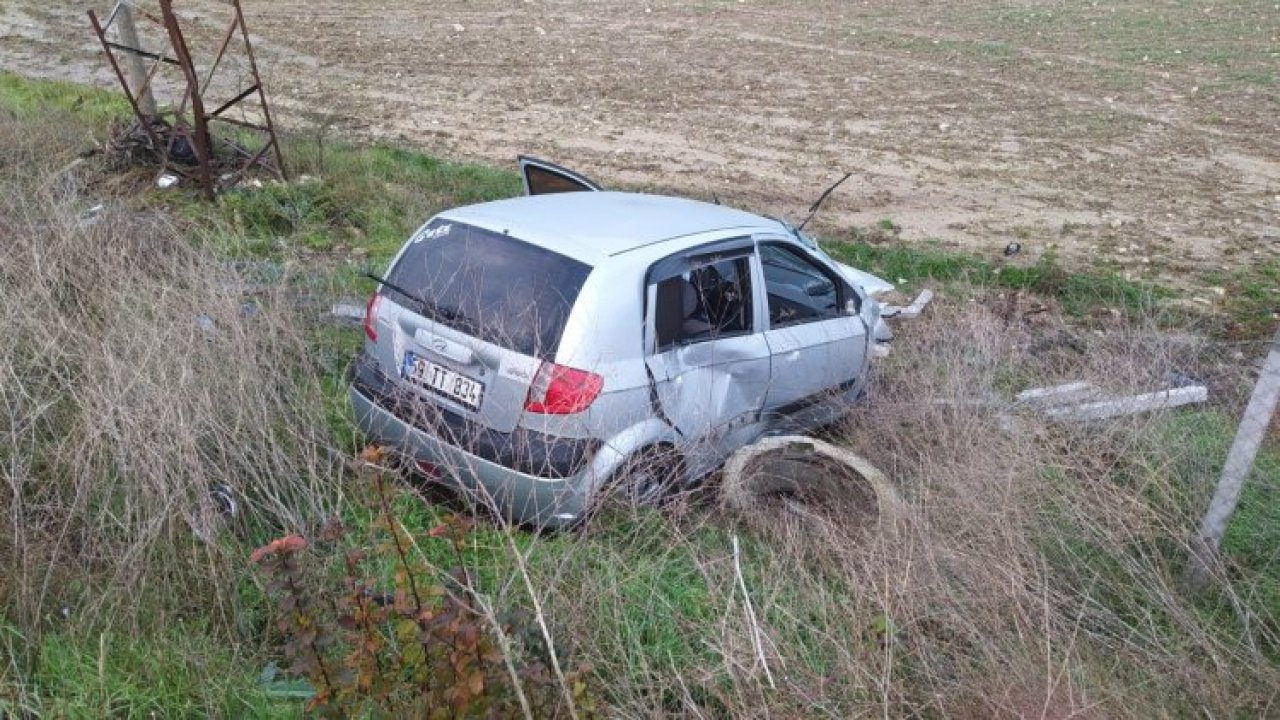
(526, 477)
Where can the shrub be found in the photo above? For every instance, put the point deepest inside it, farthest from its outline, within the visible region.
(418, 646)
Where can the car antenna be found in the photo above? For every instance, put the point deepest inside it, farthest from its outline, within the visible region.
(813, 210)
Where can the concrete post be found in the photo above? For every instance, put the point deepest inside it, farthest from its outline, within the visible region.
(136, 68)
(1257, 417)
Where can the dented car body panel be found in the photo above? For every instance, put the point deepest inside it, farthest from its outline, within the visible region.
(526, 350)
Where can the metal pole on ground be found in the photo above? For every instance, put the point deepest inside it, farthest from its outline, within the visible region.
(1257, 417)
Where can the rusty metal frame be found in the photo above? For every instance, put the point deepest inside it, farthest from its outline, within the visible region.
(194, 126)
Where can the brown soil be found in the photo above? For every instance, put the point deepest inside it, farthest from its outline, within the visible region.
(1143, 138)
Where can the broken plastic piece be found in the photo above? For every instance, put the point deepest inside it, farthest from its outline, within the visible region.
(350, 312)
(207, 325)
(913, 310)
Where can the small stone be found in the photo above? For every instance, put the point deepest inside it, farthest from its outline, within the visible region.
(458, 27)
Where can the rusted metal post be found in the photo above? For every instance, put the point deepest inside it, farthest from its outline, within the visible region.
(262, 96)
(180, 133)
(200, 132)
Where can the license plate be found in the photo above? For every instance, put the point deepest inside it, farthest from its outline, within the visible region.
(442, 381)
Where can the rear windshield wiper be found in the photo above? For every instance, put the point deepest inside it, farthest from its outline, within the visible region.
(426, 307)
(397, 288)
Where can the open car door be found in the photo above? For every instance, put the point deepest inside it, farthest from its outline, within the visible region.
(543, 178)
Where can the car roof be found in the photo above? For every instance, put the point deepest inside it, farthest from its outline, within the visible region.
(591, 226)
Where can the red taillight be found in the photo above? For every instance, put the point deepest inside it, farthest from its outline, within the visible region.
(371, 316)
(429, 470)
(560, 390)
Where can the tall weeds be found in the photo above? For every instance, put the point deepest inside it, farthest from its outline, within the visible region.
(134, 378)
(1033, 571)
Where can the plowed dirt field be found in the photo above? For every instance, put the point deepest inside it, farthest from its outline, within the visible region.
(1141, 136)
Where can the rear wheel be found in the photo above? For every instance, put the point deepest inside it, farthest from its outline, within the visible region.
(649, 478)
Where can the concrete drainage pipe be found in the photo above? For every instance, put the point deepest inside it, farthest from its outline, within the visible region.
(811, 479)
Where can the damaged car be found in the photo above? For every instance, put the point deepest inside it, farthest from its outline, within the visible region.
(546, 351)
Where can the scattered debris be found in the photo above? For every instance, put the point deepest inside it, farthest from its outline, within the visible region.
(1058, 394)
(278, 685)
(213, 512)
(207, 326)
(1012, 249)
(90, 217)
(349, 312)
(166, 181)
(913, 310)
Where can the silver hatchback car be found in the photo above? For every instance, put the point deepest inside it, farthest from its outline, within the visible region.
(536, 350)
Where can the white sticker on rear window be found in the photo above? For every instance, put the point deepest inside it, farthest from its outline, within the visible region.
(433, 233)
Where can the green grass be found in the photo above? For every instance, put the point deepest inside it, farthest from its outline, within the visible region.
(1079, 292)
(1252, 541)
(344, 198)
(173, 672)
(26, 98)
(1252, 298)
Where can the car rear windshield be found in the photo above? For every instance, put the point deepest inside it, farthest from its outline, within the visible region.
(489, 285)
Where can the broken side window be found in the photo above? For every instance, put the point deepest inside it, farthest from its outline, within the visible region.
(704, 303)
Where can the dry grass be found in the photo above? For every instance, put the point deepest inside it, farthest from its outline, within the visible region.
(1054, 551)
(1034, 570)
(132, 380)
